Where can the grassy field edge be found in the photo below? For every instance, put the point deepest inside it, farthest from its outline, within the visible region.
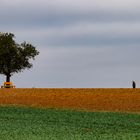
(53, 124)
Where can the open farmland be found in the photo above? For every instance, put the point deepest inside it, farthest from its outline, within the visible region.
(60, 123)
(122, 100)
(22, 123)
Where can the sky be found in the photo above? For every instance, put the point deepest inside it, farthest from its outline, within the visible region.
(82, 43)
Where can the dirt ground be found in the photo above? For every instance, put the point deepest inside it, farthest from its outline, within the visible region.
(90, 99)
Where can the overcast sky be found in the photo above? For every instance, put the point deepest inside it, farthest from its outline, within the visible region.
(82, 43)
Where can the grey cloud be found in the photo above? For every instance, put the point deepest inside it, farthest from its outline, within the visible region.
(73, 6)
(33, 18)
(90, 34)
(86, 33)
(60, 12)
(82, 43)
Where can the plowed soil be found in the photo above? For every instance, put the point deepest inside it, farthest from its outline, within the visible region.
(90, 99)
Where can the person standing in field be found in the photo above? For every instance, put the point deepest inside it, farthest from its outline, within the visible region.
(133, 84)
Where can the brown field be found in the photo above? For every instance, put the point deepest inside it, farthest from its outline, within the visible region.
(91, 99)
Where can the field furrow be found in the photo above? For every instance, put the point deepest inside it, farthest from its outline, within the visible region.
(91, 99)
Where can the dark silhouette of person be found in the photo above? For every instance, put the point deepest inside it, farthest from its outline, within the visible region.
(133, 84)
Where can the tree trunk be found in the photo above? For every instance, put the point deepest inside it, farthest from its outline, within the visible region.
(8, 77)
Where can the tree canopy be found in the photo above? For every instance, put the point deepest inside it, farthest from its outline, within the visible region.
(15, 57)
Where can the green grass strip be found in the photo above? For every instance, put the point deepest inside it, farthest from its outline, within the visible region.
(20, 123)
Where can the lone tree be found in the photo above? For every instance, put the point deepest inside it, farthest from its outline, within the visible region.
(14, 57)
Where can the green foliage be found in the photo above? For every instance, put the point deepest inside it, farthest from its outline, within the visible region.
(50, 124)
(14, 57)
